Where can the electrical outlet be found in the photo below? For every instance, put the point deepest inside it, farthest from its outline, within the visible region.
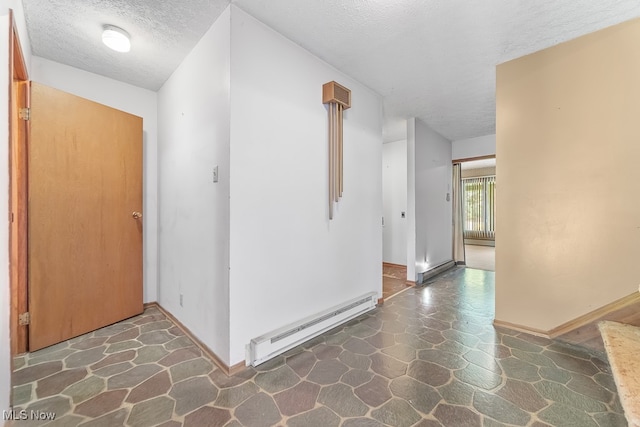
(215, 173)
(181, 300)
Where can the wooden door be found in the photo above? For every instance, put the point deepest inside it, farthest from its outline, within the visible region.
(85, 244)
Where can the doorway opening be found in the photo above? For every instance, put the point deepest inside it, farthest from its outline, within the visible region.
(478, 220)
(394, 219)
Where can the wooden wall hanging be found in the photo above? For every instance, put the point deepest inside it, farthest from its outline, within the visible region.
(339, 99)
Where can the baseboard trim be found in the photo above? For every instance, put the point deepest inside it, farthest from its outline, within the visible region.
(594, 315)
(520, 328)
(410, 282)
(228, 370)
(577, 323)
(380, 301)
(390, 264)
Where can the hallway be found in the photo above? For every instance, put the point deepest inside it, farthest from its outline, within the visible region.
(428, 357)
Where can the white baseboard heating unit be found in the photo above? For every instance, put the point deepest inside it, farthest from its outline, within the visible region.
(277, 342)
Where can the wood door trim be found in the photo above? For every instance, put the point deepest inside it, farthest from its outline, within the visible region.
(18, 137)
(16, 48)
(471, 159)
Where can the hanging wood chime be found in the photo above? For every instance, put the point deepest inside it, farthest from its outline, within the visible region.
(339, 99)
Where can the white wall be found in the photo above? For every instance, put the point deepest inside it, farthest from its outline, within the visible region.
(411, 199)
(433, 212)
(474, 147)
(394, 202)
(133, 100)
(193, 134)
(288, 261)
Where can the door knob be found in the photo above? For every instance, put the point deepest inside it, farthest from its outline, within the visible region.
(136, 215)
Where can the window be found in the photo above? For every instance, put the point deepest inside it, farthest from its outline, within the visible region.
(479, 207)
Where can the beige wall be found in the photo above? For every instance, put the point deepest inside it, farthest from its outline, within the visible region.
(568, 205)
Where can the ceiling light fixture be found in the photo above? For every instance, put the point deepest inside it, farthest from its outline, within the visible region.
(116, 38)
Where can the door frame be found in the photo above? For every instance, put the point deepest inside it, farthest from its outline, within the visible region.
(471, 159)
(18, 190)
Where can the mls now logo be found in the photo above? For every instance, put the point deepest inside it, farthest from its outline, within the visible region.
(28, 415)
(15, 415)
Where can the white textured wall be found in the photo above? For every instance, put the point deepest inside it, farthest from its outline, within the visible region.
(474, 147)
(133, 100)
(288, 261)
(394, 202)
(193, 136)
(433, 212)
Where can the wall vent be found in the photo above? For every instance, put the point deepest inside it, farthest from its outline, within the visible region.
(277, 342)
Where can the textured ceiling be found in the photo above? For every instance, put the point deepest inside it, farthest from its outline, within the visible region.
(162, 33)
(432, 59)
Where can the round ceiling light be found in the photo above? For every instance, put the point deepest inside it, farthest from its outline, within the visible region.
(116, 38)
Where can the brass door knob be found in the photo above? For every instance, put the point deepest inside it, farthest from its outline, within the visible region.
(136, 215)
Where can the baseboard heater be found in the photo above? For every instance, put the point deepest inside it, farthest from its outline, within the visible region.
(422, 278)
(277, 342)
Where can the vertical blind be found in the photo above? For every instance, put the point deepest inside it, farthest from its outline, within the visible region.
(479, 207)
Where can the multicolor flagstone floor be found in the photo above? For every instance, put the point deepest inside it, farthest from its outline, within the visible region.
(428, 357)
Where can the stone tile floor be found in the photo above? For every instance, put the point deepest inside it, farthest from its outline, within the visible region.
(429, 357)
